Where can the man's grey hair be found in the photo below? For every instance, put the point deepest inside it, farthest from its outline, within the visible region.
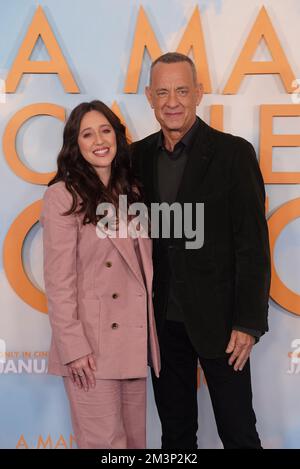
(172, 58)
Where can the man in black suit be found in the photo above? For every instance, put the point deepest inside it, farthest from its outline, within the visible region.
(210, 303)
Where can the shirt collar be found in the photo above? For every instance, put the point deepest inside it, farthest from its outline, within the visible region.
(186, 140)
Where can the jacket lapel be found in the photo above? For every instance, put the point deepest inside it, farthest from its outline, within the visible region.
(125, 247)
(197, 164)
(145, 245)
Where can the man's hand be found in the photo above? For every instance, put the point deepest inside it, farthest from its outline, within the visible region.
(81, 372)
(240, 346)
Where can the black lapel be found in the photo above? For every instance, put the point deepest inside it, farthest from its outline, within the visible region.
(197, 164)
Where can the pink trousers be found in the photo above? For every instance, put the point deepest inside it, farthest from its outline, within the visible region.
(110, 416)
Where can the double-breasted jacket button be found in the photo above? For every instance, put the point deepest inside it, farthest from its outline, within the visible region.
(114, 325)
(115, 295)
(108, 264)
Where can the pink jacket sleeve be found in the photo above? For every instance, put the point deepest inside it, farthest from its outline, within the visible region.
(60, 247)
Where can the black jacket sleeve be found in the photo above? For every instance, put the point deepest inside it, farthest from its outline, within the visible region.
(251, 241)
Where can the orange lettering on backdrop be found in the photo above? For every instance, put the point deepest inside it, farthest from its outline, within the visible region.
(10, 135)
(280, 293)
(12, 258)
(61, 443)
(267, 205)
(268, 140)
(262, 28)
(40, 27)
(116, 109)
(144, 37)
(72, 441)
(44, 444)
(193, 38)
(217, 116)
(22, 443)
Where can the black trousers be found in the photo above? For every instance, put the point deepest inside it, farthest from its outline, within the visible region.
(175, 394)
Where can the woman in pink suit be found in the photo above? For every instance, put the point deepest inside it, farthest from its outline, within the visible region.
(98, 288)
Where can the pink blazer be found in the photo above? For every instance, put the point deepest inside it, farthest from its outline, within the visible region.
(97, 299)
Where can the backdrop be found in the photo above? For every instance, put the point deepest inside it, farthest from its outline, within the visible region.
(55, 54)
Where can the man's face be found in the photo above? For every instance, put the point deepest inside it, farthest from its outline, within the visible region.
(174, 96)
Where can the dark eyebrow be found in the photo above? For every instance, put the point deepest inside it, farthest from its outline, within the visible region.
(101, 126)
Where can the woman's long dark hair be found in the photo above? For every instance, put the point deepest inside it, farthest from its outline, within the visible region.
(81, 178)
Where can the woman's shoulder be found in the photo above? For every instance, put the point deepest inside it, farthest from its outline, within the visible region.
(59, 191)
(58, 187)
(57, 196)
(57, 201)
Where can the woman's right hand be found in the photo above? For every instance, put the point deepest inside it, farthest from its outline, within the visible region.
(81, 371)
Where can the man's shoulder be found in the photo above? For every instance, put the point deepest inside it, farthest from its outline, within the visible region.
(233, 148)
(146, 141)
(226, 138)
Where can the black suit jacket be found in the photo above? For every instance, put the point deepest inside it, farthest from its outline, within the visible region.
(227, 281)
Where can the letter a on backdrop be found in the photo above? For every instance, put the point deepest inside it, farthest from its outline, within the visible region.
(262, 28)
(40, 27)
(144, 37)
(193, 38)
